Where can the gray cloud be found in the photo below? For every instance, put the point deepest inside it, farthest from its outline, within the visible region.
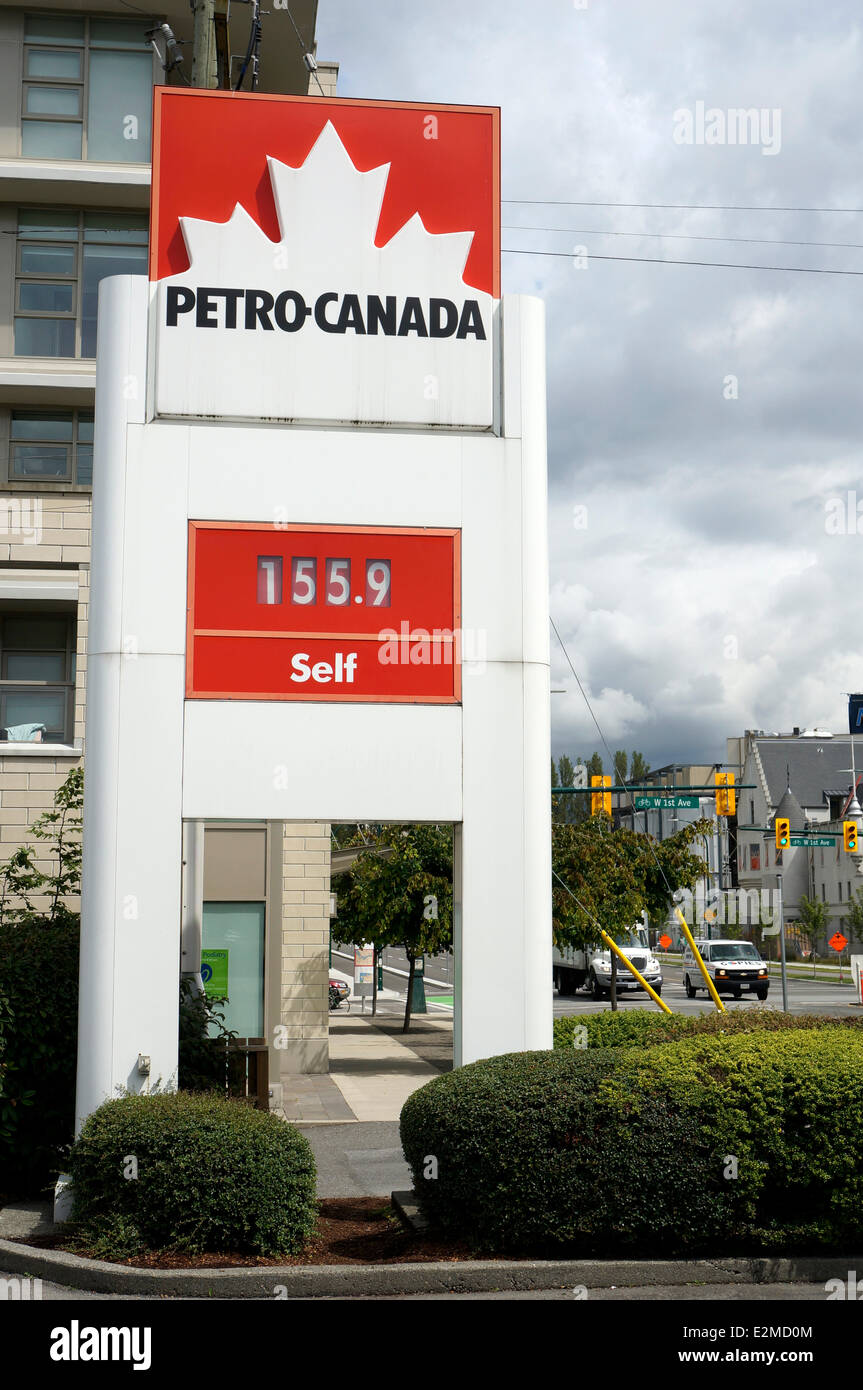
(706, 594)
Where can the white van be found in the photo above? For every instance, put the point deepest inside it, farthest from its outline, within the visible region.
(733, 966)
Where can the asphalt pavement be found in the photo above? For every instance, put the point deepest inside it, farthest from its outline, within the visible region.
(804, 997)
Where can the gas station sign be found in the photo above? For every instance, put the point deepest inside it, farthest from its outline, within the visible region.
(323, 613)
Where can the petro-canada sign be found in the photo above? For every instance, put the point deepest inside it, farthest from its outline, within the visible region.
(325, 261)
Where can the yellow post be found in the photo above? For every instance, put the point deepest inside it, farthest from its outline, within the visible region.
(697, 954)
(639, 977)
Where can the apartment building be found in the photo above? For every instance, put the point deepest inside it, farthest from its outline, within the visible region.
(76, 86)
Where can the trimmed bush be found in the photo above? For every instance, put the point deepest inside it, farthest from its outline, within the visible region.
(644, 1027)
(628, 1150)
(191, 1173)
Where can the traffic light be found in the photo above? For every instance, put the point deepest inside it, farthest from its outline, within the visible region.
(783, 833)
(600, 802)
(726, 797)
(849, 833)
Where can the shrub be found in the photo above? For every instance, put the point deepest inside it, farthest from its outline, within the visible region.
(625, 1150)
(202, 1053)
(644, 1027)
(39, 980)
(212, 1175)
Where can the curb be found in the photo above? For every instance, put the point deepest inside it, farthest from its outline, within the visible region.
(359, 1281)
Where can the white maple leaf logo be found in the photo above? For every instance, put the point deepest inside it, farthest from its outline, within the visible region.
(322, 325)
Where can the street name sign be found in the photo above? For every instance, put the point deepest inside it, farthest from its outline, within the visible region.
(665, 802)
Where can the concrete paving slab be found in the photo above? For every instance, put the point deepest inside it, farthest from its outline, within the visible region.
(374, 1071)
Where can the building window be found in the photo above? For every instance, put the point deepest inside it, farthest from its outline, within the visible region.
(62, 256)
(37, 676)
(839, 885)
(51, 446)
(88, 89)
(755, 857)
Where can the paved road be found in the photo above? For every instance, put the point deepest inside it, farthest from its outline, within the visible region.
(804, 997)
(359, 1160)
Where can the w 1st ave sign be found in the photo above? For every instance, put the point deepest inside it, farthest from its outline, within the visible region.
(666, 803)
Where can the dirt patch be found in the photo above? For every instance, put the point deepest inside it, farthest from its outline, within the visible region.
(350, 1231)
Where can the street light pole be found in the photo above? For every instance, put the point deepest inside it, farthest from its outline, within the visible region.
(782, 947)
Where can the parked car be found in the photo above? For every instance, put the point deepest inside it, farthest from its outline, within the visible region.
(733, 966)
(341, 986)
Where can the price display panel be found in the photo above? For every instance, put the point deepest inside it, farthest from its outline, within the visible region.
(323, 613)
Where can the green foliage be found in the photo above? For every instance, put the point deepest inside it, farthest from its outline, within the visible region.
(646, 1027)
(203, 1057)
(814, 914)
(626, 1150)
(39, 987)
(854, 917)
(212, 1175)
(639, 768)
(39, 979)
(60, 830)
(401, 897)
(614, 875)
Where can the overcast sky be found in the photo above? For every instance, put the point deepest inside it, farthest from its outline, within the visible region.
(708, 591)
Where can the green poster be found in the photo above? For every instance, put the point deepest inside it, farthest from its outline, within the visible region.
(214, 973)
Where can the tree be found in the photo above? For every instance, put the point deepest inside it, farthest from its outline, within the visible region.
(404, 899)
(620, 765)
(594, 766)
(39, 995)
(639, 769)
(605, 878)
(60, 830)
(854, 916)
(815, 916)
(566, 808)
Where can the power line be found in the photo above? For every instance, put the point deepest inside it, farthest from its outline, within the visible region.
(604, 742)
(660, 260)
(685, 236)
(680, 207)
(306, 51)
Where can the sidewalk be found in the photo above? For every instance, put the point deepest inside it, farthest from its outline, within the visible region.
(373, 1068)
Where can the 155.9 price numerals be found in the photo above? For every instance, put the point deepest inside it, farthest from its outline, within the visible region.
(332, 585)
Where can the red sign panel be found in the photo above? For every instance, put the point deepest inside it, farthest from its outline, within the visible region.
(323, 613)
(210, 153)
(838, 941)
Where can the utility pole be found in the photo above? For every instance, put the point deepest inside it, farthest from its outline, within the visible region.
(205, 71)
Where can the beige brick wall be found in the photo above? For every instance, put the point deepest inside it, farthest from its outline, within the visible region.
(58, 531)
(305, 946)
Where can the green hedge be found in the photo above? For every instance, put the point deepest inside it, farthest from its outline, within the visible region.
(625, 1150)
(643, 1027)
(39, 981)
(191, 1173)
